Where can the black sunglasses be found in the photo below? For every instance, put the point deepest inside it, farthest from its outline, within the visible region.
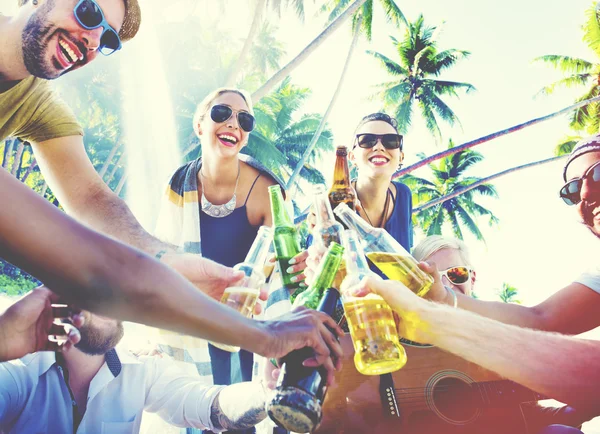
(89, 16)
(389, 141)
(220, 113)
(571, 192)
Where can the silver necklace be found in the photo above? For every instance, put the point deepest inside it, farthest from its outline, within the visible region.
(219, 211)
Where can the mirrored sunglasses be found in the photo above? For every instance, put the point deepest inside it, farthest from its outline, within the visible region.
(220, 113)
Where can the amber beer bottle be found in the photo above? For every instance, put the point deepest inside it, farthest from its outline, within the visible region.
(285, 237)
(244, 296)
(377, 348)
(297, 402)
(386, 253)
(341, 190)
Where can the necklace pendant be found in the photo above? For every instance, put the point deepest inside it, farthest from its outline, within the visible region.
(218, 211)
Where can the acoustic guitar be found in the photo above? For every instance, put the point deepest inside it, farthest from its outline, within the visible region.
(435, 392)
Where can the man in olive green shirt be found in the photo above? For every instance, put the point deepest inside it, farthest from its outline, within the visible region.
(44, 40)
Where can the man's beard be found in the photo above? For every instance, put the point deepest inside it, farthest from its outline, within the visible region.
(35, 43)
(588, 217)
(97, 342)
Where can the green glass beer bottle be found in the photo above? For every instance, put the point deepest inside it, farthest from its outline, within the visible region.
(285, 237)
(326, 273)
(297, 404)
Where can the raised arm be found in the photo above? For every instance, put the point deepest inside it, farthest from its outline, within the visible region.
(87, 198)
(571, 310)
(84, 195)
(558, 366)
(105, 276)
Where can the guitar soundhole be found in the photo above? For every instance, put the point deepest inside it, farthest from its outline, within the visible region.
(453, 398)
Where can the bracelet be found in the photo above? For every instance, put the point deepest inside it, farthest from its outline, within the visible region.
(160, 254)
(454, 298)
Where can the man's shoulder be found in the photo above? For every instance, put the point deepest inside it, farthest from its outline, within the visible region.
(30, 367)
(590, 278)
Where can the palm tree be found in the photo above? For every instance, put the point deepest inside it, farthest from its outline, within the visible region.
(362, 22)
(581, 73)
(485, 180)
(460, 211)
(560, 149)
(260, 7)
(391, 10)
(336, 93)
(415, 78)
(508, 294)
(309, 49)
(280, 138)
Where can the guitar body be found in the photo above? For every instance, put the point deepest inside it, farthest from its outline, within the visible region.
(434, 393)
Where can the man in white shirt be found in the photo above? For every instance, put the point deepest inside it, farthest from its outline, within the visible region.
(93, 387)
(573, 309)
(561, 367)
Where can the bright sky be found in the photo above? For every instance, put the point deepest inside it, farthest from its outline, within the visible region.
(539, 245)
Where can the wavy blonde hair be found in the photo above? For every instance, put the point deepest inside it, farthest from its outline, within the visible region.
(434, 243)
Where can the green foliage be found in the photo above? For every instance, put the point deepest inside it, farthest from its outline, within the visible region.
(447, 176)
(390, 9)
(580, 73)
(508, 294)
(415, 72)
(13, 281)
(280, 137)
(566, 145)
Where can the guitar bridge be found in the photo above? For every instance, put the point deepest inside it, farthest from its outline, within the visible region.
(387, 394)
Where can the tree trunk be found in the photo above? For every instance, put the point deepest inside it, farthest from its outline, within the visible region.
(109, 158)
(483, 181)
(491, 136)
(121, 184)
(32, 166)
(287, 69)
(334, 98)
(254, 27)
(115, 167)
(18, 158)
(8, 148)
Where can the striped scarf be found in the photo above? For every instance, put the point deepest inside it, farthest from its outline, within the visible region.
(179, 224)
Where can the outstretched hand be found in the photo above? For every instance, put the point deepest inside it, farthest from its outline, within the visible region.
(303, 328)
(208, 276)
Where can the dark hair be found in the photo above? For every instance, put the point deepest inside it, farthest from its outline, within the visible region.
(378, 117)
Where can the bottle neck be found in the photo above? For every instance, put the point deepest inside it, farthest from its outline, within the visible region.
(354, 221)
(323, 210)
(341, 174)
(278, 211)
(259, 250)
(330, 265)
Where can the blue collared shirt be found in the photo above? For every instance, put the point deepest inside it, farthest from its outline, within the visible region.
(34, 397)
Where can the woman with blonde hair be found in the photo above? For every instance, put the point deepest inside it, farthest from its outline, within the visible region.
(452, 259)
(215, 204)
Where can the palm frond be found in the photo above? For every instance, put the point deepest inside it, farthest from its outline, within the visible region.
(390, 66)
(566, 64)
(566, 145)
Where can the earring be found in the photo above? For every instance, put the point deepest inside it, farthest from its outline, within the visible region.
(35, 2)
